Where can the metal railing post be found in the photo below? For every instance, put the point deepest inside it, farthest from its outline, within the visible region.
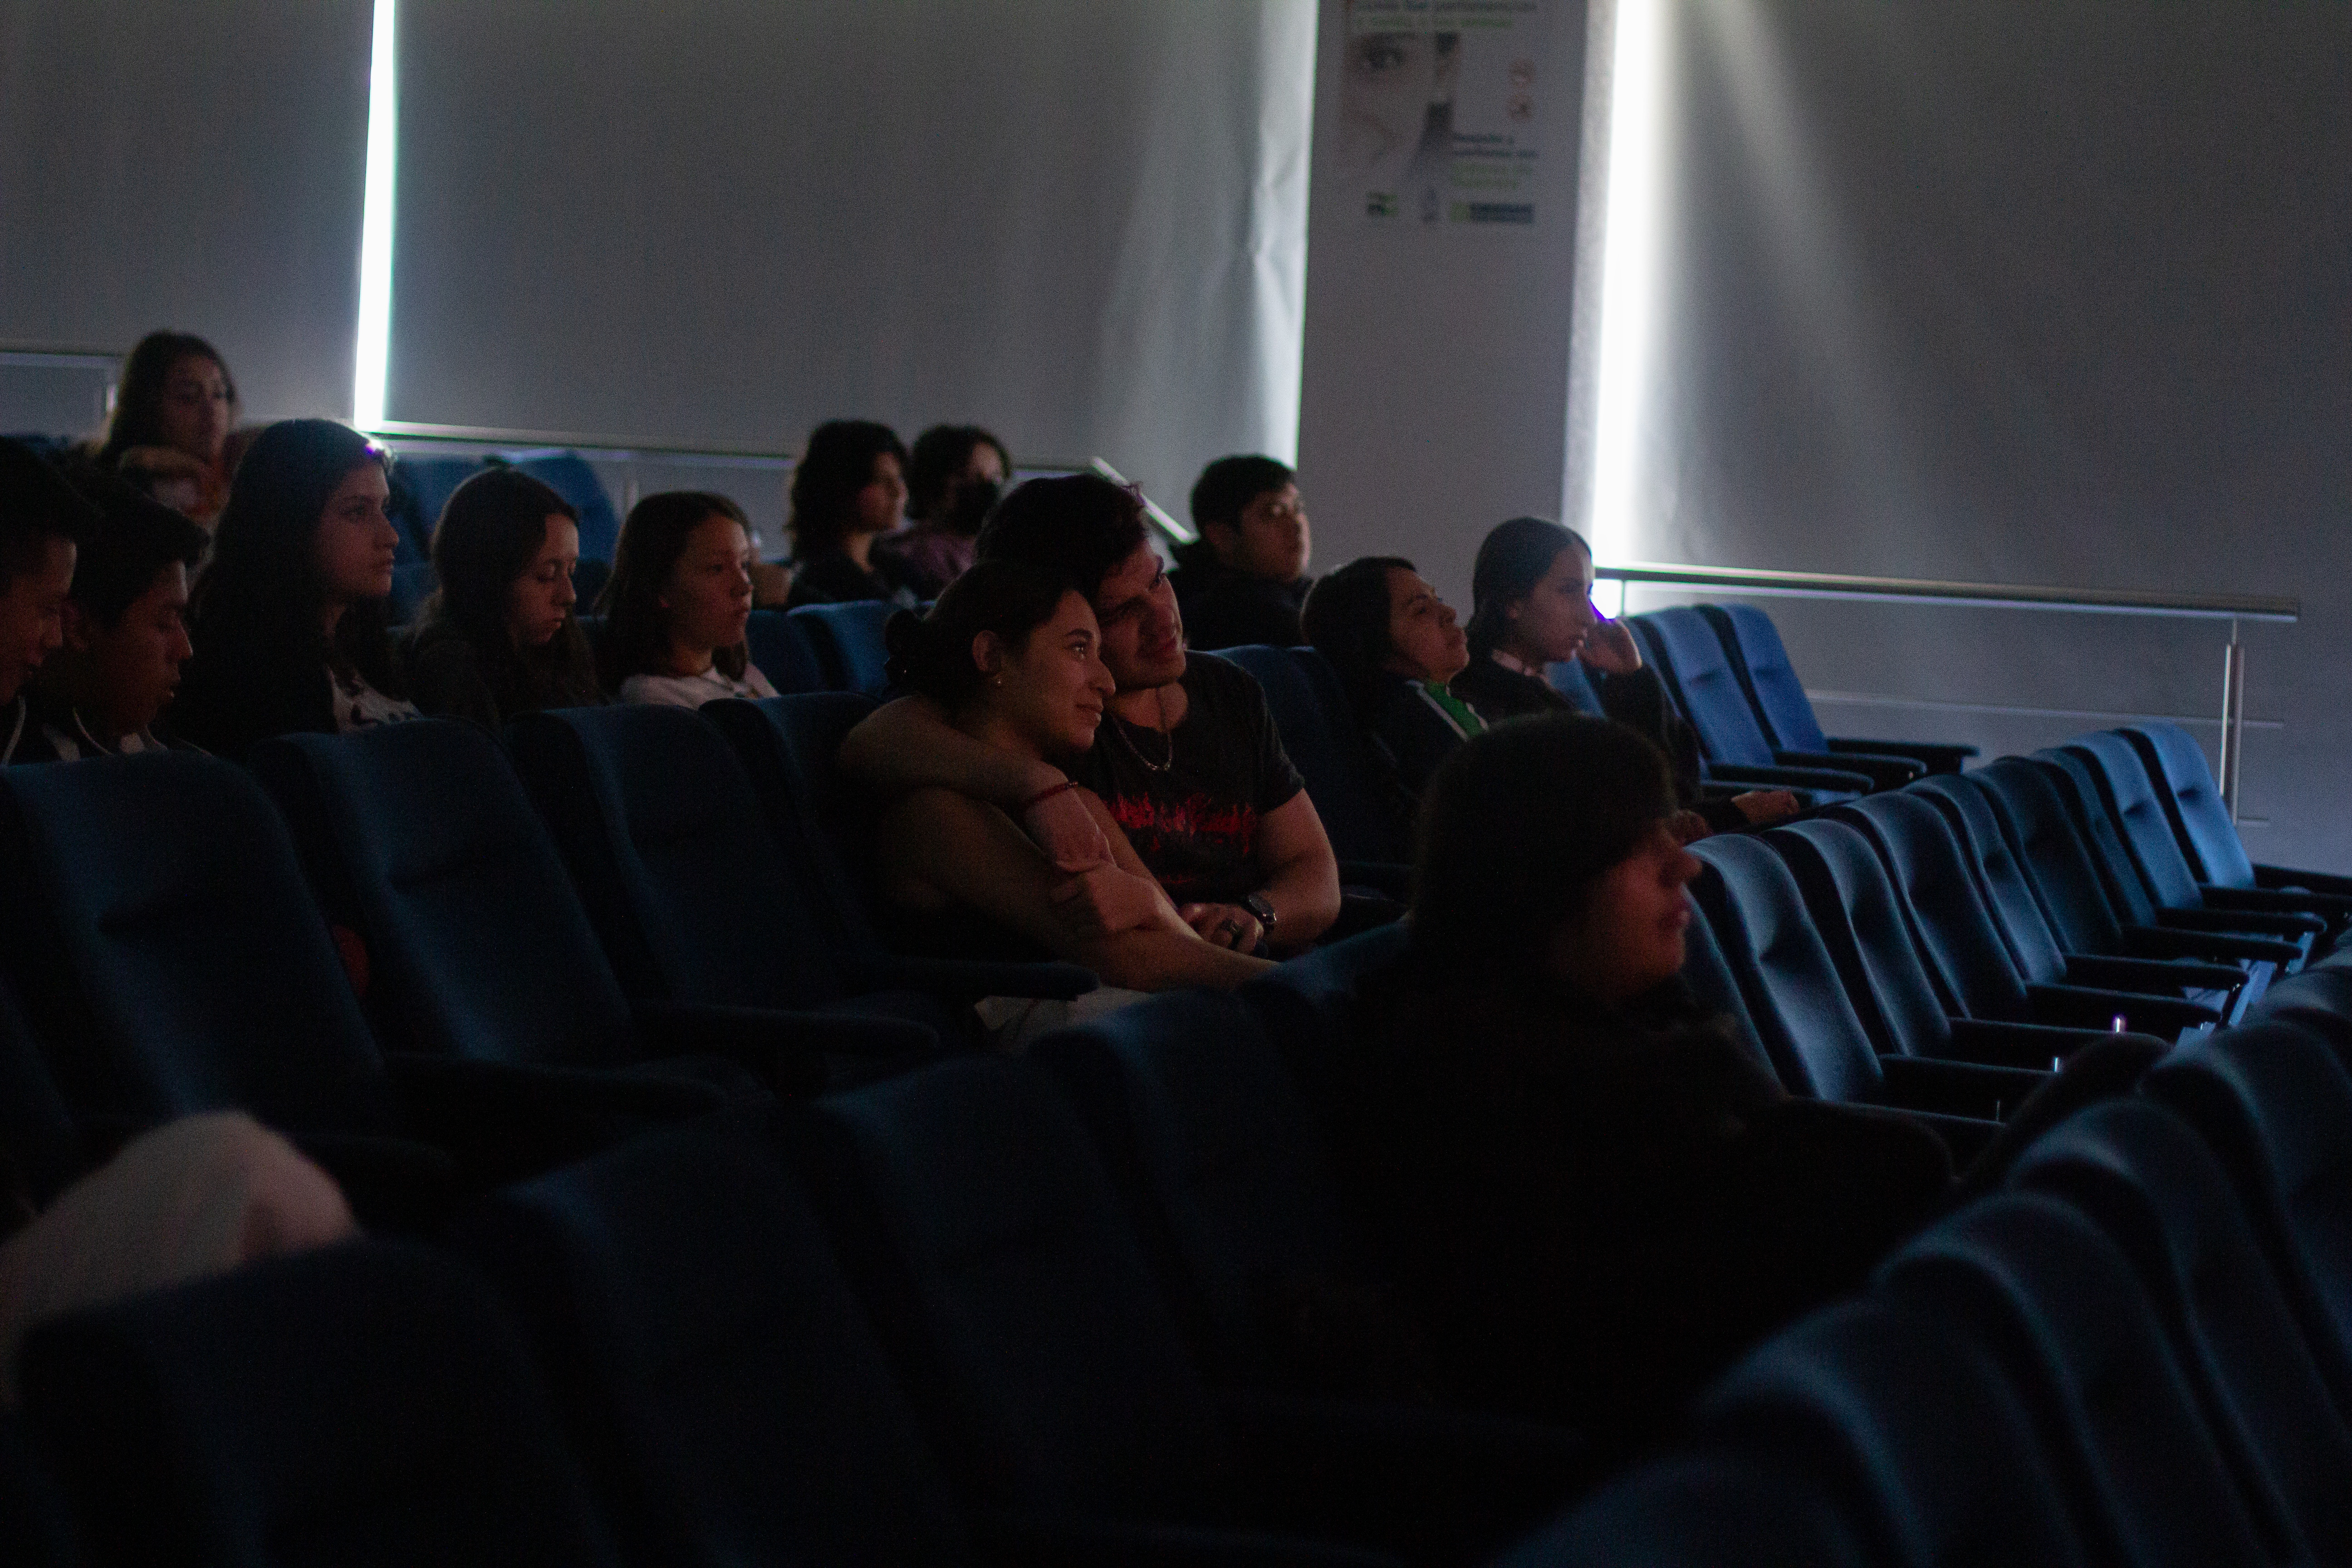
(2233, 719)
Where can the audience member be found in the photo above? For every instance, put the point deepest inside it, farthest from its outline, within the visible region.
(290, 618)
(1591, 1197)
(1243, 580)
(41, 520)
(498, 636)
(1531, 607)
(1187, 759)
(678, 602)
(1011, 656)
(125, 627)
(953, 481)
(1394, 644)
(174, 429)
(848, 490)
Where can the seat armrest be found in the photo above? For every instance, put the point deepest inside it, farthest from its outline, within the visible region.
(787, 1049)
(1936, 756)
(2242, 921)
(965, 979)
(503, 1121)
(2163, 941)
(2000, 1044)
(1384, 876)
(2333, 907)
(2286, 877)
(2086, 1008)
(1788, 778)
(1974, 1089)
(1886, 772)
(2153, 976)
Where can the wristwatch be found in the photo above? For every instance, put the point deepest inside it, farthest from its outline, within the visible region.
(1261, 908)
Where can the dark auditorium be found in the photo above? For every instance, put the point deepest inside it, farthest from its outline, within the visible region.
(1236, 783)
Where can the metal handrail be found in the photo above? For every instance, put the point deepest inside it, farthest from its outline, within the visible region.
(2000, 595)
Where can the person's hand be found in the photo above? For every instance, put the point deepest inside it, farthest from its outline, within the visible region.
(1687, 826)
(1107, 900)
(1609, 648)
(1223, 925)
(1062, 827)
(1763, 808)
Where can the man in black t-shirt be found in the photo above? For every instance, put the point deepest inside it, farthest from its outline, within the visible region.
(1187, 757)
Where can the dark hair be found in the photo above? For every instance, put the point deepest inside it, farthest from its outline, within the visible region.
(1515, 827)
(1230, 484)
(839, 463)
(37, 506)
(137, 418)
(492, 528)
(932, 653)
(653, 537)
(1512, 560)
(941, 453)
(1080, 524)
(1346, 618)
(135, 541)
(261, 590)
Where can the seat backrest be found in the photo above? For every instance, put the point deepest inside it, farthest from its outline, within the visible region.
(1324, 740)
(987, 1242)
(1693, 660)
(1573, 681)
(717, 1375)
(1955, 931)
(2193, 803)
(848, 642)
(675, 863)
(2275, 1105)
(413, 582)
(475, 940)
(1304, 1002)
(1792, 987)
(34, 1521)
(368, 1403)
(2130, 797)
(1708, 975)
(569, 474)
(780, 648)
(2009, 895)
(424, 486)
(1762, 661)
(2041, 838)
(1700, 1508)
(2075, 781)
(1869, 931)
(2147, 1181)
(1204, 1135)
(2064, 1316)
(168, 953)
(1911, 1427)
(825, 829)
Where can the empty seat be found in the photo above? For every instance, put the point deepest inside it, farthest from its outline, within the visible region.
(848, 638)
(1691, 659)
(1365, 815)
(367, 1404)
(1760, 661)
(2147, 1181)
(2062, 1313)
(2200, 822)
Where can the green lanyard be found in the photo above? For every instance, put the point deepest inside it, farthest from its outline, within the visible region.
(1466, 719)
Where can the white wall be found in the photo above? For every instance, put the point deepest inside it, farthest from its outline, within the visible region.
(191, 166)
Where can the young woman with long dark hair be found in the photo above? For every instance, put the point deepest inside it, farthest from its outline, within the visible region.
(678, 602)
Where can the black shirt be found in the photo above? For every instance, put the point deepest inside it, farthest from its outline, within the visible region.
(1195, 824)
(1226, 608)
(833, 577)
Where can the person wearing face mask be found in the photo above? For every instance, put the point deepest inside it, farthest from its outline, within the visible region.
(1010, 655)
(849, 492)
(498, 636)
(174, 430)
(678, 602)
(288, 617)
(42, 519)
(124, 626)
(1244, 578)
(1591, 1196)
(1187, 758)
(1531, 607)
(1394, 644)
(955, 478)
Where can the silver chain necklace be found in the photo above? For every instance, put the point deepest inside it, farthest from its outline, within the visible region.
(1167, 735)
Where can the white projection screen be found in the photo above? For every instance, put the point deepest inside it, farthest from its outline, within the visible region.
(191, 166)
(2019, 292)
(726, 220)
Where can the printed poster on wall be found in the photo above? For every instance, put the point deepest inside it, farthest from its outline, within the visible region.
(1440, 105)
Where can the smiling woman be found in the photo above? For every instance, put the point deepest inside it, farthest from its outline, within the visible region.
(289, 615)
